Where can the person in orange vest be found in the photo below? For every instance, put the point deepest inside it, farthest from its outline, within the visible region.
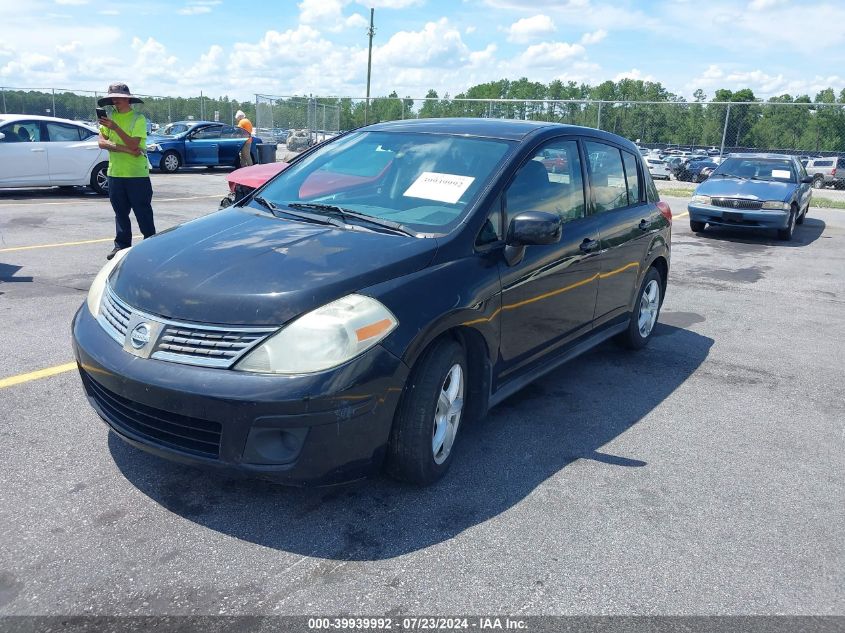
(246, 157)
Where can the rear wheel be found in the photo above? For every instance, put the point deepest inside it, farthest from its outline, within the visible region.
(818, 182)
(697, 227)
(170, 162)
(100, 179)
(422, 439)
(646, 311)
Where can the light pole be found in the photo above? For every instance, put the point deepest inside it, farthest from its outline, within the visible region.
(370, 32)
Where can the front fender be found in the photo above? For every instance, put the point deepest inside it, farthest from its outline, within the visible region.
(463, 293)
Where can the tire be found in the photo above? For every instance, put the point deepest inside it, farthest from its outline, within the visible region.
(99, 179)
(786, 234)
(818, 183)
(170, 162)
(646, 311)
(697, 227)
(422, 440)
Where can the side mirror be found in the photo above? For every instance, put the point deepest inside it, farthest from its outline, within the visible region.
(534, 227)
(807, 180)
(531, 228)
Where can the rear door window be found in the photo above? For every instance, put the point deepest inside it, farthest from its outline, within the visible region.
(632, 177)
(607, 177)
(62, 132)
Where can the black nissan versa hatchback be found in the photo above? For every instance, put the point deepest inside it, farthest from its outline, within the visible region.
(364, 304)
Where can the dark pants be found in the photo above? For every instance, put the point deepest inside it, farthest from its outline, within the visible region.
(131, 194)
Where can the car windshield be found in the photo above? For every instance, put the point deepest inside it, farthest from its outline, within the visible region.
(425, 182)
(172, 129)
(773, 169)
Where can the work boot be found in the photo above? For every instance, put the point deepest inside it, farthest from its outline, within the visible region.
(114, 251)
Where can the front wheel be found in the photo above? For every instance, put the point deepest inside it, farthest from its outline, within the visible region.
(425, 428)
(646, 311)
(697, 227)
(818, 183)
(786, 234)
(100, 179)
(800, 218)
(170, 162)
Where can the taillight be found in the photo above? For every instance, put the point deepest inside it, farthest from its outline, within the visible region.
(665, 210)
(833, 173)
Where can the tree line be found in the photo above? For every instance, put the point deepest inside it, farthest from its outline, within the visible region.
(817, 125)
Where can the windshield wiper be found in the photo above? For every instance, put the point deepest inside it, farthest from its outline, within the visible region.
(347, 213)
(308, 217)
(724, 175)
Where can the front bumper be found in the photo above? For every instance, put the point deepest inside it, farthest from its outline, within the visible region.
(307, 429)
(155, 158)
(721, 216)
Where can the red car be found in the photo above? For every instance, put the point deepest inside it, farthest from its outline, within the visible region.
(245, 180)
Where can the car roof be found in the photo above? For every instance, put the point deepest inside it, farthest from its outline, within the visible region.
(7, 118)
(506, 129)
(760, 155)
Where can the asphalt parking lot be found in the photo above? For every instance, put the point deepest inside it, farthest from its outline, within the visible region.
(702, 475)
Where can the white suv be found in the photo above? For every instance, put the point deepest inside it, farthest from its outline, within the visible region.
(42, 151)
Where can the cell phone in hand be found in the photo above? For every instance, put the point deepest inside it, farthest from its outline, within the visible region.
(101, 113)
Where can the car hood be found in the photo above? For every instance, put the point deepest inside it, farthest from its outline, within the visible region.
(740, 188)
(245, 267)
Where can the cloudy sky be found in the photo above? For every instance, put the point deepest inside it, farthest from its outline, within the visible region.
(289, 47)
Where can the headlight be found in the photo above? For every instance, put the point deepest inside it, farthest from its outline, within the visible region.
(95, 293)
(701, 199)
(324, 338)
(776, 204)
(153, 147)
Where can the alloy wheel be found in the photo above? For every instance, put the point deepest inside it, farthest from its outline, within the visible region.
(103, 178)
(447, 416)
(649, 306)
(171, 162)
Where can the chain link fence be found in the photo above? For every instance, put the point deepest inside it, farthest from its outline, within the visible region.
(807, 129)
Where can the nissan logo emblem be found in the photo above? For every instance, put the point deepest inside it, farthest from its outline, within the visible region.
(140, 335)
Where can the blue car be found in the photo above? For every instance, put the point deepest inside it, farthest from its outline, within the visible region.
(198, 143)
(759, 191)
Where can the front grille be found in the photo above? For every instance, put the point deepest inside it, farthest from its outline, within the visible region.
(114, 316)
(210, 347)
(737, 203)
(192, 435)
(179, 342)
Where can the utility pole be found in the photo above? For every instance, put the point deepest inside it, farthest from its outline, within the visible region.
(370, 31)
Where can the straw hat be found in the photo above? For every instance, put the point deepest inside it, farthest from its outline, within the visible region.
(119, 91)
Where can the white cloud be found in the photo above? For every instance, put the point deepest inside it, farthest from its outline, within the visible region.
(438, 44)
(550, 54)
(194, 10)
(762, 5)
(593, 38)
(469, 30)
(389, 4)
(529, 29)
(355, 21)
(634, 73)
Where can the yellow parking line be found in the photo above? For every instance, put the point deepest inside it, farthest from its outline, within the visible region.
(46, 204)
(35, 375)
(29, 248)
(680, 215)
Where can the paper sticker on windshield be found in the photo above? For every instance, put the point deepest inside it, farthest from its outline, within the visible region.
(781, 173)
(441, 187)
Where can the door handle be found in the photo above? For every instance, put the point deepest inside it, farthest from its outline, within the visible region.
(588, 245)
(644, 224)
(37, 149)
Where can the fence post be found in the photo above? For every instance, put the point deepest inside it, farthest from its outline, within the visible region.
(169, 112)
(598, 122)
(3, 92)
(725, 131)
(54, 101)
